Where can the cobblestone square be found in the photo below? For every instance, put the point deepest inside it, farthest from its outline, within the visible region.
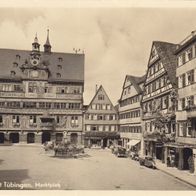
(30, 167)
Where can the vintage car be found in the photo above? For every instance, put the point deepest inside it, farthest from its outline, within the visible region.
(119, 151)
(134, 156)
(147, 161)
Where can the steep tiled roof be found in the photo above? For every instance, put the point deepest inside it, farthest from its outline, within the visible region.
(72, 65)
(136, 81)
(166, 51)
(104, 92)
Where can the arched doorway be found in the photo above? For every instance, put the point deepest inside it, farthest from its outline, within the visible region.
(14, 137)
(2, 138)
(30, 138)
(59, 137)
(74, 138)
(46, 137)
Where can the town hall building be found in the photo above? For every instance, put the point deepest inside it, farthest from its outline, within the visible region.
(41, 95)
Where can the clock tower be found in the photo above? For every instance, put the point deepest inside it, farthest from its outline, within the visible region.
(35, 54)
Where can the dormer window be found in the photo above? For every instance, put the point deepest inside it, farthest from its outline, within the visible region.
(12, 73)
(60, 59)
(59, 67)
(15, 64)
(100, 97)
(18, 57)
(58, 75)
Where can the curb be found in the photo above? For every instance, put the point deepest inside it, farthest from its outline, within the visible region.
(168, 173)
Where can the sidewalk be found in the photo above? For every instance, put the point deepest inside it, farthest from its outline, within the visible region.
(182, 175)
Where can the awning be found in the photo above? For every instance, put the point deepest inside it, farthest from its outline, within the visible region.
(179, 145)
(133, 142)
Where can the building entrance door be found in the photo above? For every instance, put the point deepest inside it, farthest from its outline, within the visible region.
(14, 137)
(30, 138)
(187, 153)
(74, 138)
(59, 137)
(46, 136)
(105, 143)
(2, 138)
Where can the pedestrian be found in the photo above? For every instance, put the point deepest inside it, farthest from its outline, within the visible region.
(168, 161)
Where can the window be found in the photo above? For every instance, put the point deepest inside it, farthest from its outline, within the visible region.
(111, 117)
(98, 106)
(1, 119)
(59, 67)
(106, 128)
(180, 82)
(32, 87)
(88, 127)
(149, 89)
(190, 77)
(32, 120)
(112, 127)
(164, 102)
(183, 103)
(13, 104)
(103, 106)
(156, 68)
(58, 75)
(57, 105)
(74, 121)
(76, 90)
(129, 89)
(94, 117)
(15, 119)
(108, 106)
(153, 86)
(189, 54)
(100, 97)
(60, 59)
(63, 105)
(29, 104)
(190, 101)
(18, 88)
(18, 57)
(58, 119)
(180, 62)
(94, 106)
(183, 58)
(183, 80)
(94, 128)
(182, 129)
(15, 64)
(100, 117)
(100, 128)
(12, 73)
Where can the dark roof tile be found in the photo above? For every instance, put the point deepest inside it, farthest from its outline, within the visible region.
(72, 64)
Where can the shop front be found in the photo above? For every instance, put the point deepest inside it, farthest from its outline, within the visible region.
(180, 156)
(101, 139)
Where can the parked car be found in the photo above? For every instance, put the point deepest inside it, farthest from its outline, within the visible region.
(120, 151)
(135, 157)
(147, 161)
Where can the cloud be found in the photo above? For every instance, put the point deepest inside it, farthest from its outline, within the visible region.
(116, 41)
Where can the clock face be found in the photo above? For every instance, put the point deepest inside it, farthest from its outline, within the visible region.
(35, 61)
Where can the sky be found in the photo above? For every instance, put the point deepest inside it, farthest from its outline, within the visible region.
(116, 41)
